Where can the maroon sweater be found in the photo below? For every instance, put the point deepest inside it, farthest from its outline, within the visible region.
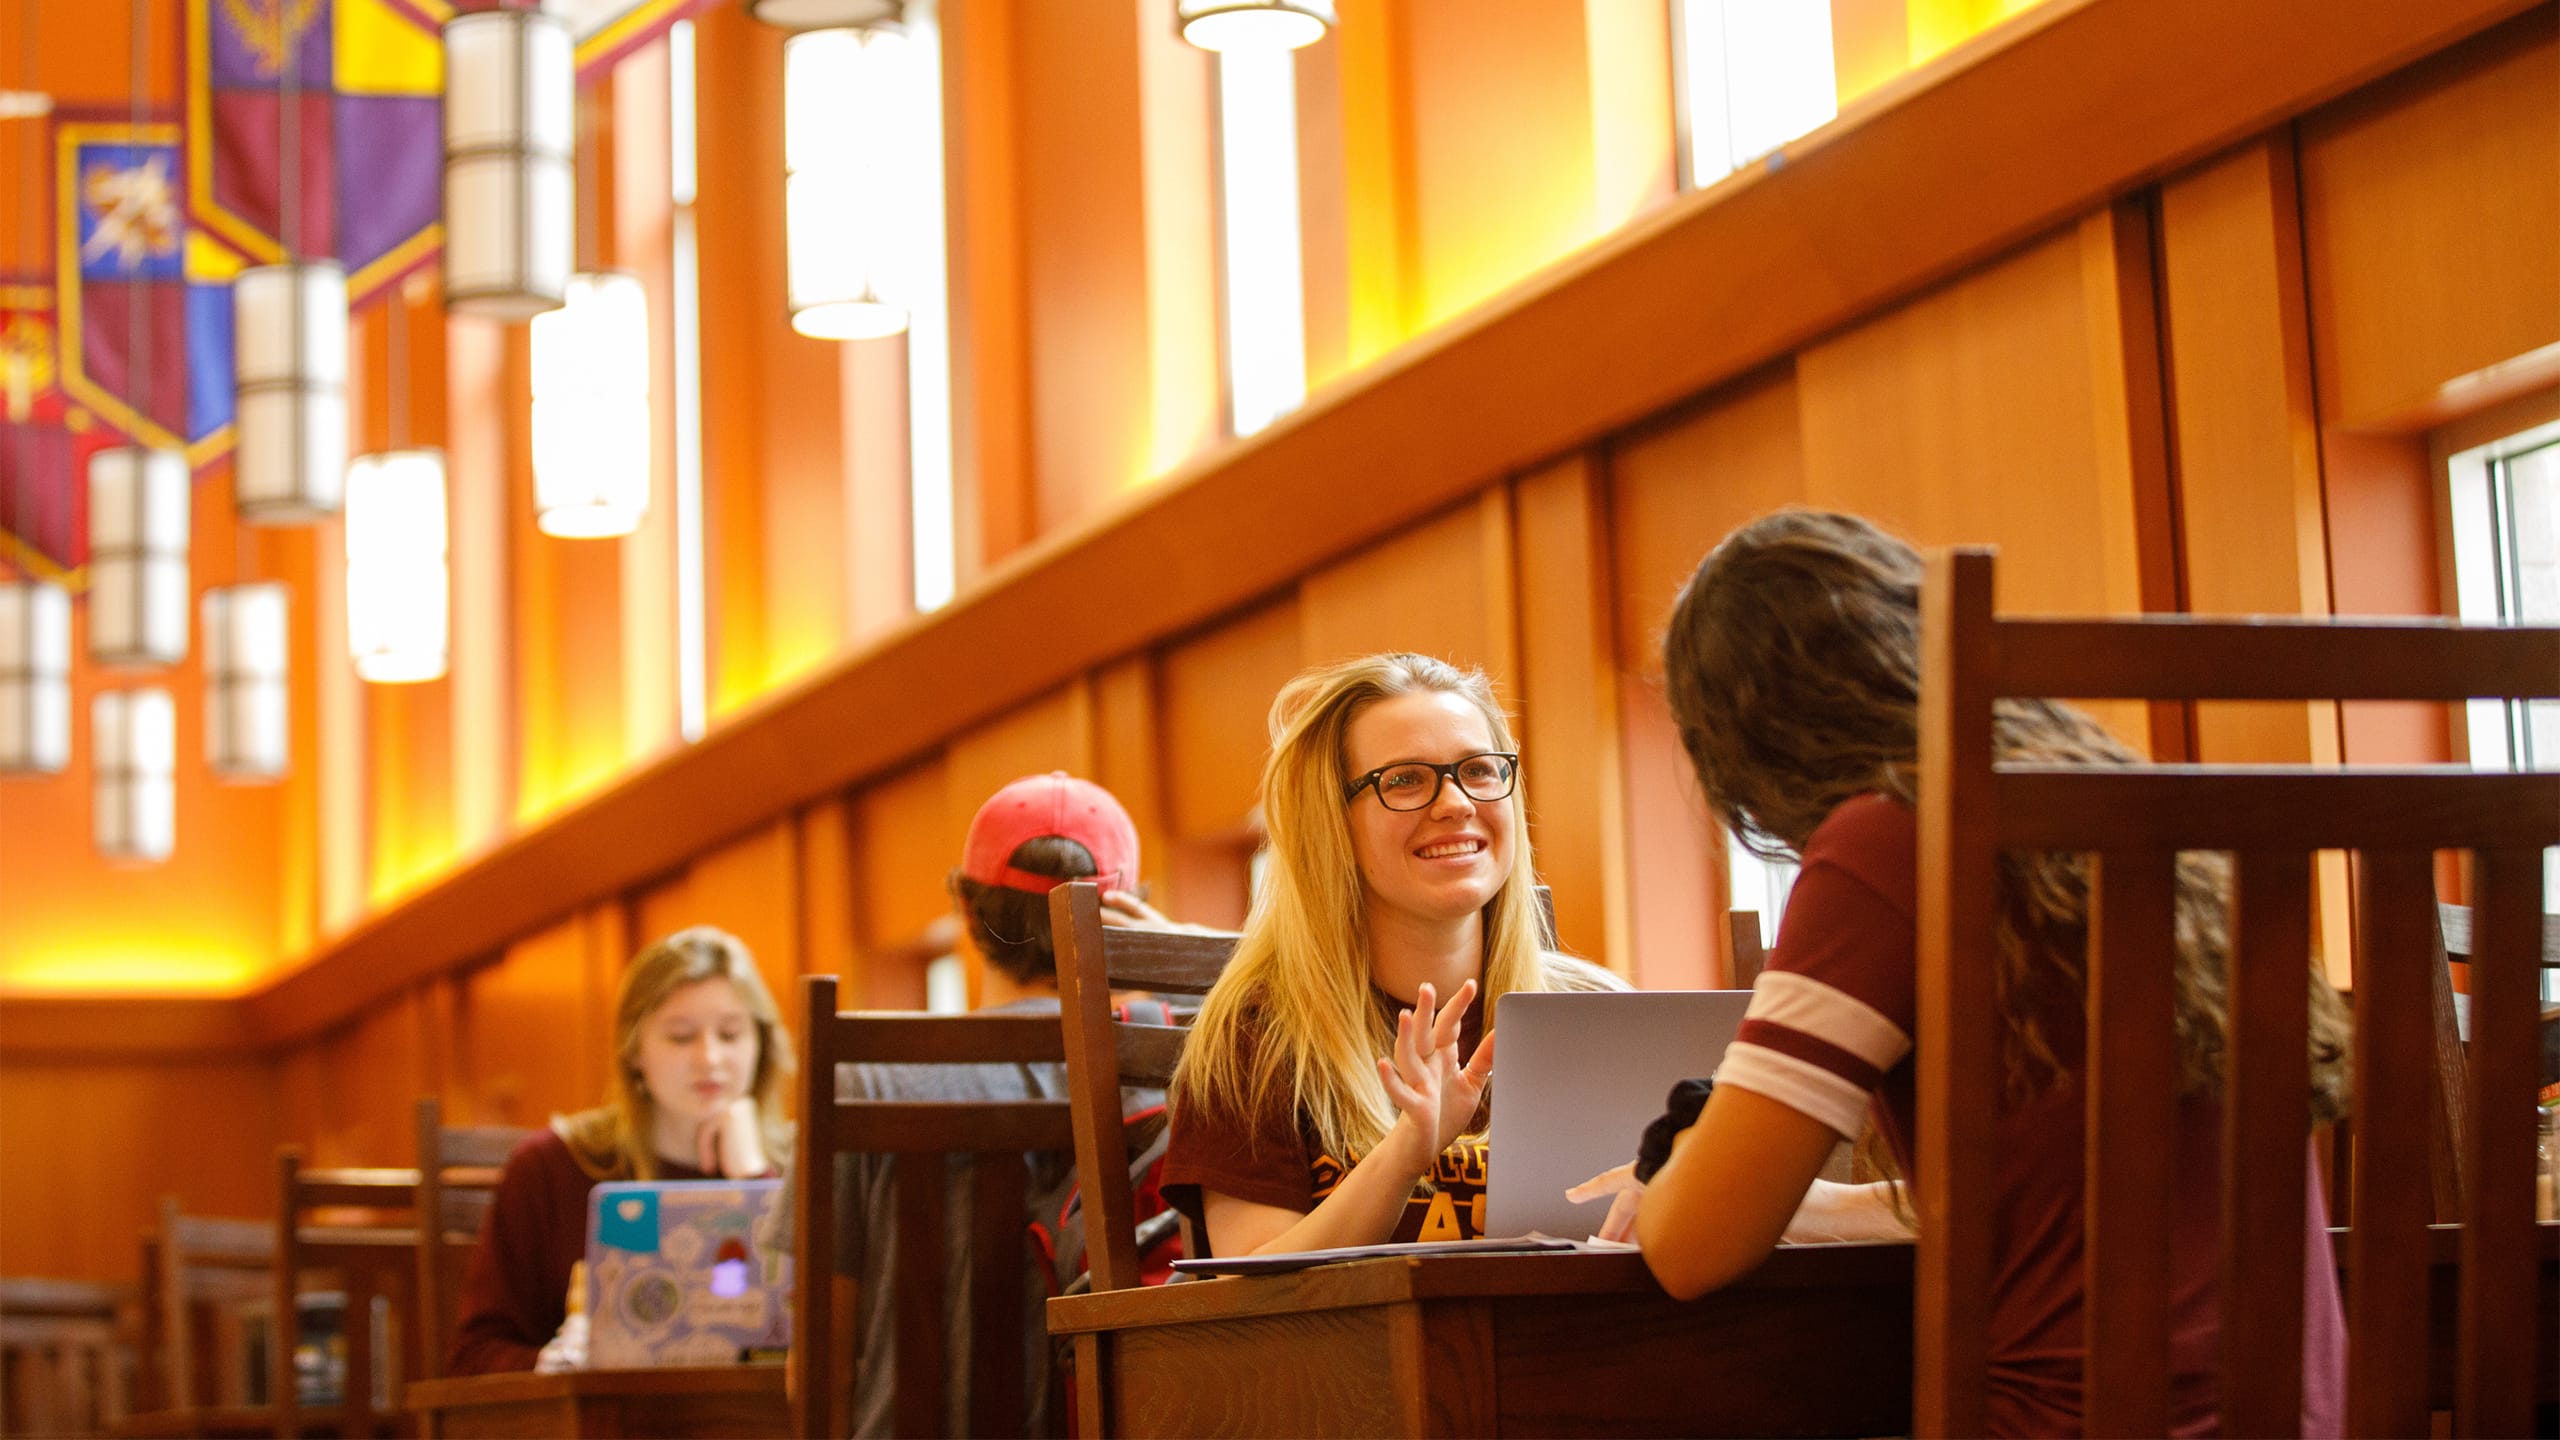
(517, 1292)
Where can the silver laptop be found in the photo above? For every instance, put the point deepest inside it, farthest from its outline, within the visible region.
(1576, 1079)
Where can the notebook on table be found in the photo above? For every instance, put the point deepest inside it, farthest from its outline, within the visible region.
(675, 1276)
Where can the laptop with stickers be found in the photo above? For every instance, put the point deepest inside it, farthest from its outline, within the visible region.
(675, 1276)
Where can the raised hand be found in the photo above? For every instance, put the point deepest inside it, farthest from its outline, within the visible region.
(1423, 1077)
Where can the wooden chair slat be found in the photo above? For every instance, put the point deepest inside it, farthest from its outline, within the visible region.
(2274, 658)
(2253, 807)
(895, 1127)
(2494, 1378)
(1087, 971)
(457, 1182)
(464, 1147)
(2447, 1164)
(2455, 921)
(2264, 1159)
(1148, 1053)
(813, 1241)
(2387, 1300)
(996, 1389)
(208, 1240)
(2132, 1099)
(908, 1039)
(1958, 1045)
(1170, 961)
(916, 1270)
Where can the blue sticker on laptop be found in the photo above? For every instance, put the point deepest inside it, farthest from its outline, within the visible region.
(628, 1220)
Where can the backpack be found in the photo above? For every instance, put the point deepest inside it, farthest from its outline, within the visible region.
(1056, 1230)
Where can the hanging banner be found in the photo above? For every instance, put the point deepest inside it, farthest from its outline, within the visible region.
(144, 305)
(44, 442)
(367, 78)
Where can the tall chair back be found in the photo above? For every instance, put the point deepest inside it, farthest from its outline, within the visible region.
(1105, 1052)
(996, 1136)
(366, 1260)
(2134, 820)
(66, 1358)
(457, 1180)
(200, 1267)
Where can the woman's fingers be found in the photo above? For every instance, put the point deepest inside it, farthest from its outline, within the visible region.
(1452, 1017)
(1480, 1065)
(1611, 1181)
(1621, 1224)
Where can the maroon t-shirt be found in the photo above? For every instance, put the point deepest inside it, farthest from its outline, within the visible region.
(1829, 1034)
(517, 1290)
(1274, 1158)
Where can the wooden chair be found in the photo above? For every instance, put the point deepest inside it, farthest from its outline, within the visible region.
(457, 1180)
(1742, 932)
(995, 1135)
(1105, 1053)
(366, 1262)
(66, 1356)
(2134, 820)
(199, 1273)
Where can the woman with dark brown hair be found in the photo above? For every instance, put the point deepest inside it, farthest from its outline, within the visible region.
(1792, 663)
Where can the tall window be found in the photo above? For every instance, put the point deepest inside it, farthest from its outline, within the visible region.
(1750, 76)
(1266, 337)
(2506, 545)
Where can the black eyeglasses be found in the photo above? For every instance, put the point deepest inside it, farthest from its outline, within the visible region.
(1414, 784)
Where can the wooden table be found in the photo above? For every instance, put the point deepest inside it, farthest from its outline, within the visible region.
(1816, 1341)
(726, 1400)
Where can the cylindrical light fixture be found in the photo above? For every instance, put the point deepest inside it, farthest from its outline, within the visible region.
(290, 328)
(397, 581)
(825, 14)
(591, 409)
(246, 715)
(510, 146)
(134, 736)
(843, 94)
(35, 677)
(139, 515)
(1253, 24)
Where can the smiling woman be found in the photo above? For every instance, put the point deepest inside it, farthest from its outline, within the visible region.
(1334, 1091)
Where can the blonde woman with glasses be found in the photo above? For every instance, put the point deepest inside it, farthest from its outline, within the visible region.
(1335, 1091)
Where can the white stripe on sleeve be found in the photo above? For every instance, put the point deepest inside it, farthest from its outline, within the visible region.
(1826, 1012)
(1799, 1085)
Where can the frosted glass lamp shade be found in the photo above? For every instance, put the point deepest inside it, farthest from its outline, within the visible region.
(290, 329)
(845, 101)
(825, 14)
(397, 580)
(35, 677)
(591, 409)
(246, 712)
(134, 737)
(139, 517)
(1253, 24)
(510, 147)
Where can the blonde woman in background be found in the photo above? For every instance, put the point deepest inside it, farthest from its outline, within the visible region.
(696, 1094)
(1334, 1089)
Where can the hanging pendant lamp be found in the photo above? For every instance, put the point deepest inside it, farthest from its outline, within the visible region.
(35, 677)
(398, 585)
(825, 14)
(1253, 24)
(138, 522)
(510, 141)
(290, 328)
(591, 409)
(247, 718)
(134, 737)
(844, 98)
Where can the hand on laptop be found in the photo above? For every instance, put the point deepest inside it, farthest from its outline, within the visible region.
(731, 1143)
(1619, 1181)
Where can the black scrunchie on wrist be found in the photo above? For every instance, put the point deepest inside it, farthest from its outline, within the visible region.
(1680, 1111)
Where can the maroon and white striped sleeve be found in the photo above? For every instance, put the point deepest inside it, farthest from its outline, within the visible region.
(1833, 1012)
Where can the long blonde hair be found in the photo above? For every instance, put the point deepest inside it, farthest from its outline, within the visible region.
(611, 1141)
(1291, 1024)
(1792, 664)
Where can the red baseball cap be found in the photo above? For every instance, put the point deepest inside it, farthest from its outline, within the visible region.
(1058, 804)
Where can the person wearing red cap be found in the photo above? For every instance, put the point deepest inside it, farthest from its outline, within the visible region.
(1030, 837)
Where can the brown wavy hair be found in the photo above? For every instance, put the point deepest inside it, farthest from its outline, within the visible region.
(1792, 664)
